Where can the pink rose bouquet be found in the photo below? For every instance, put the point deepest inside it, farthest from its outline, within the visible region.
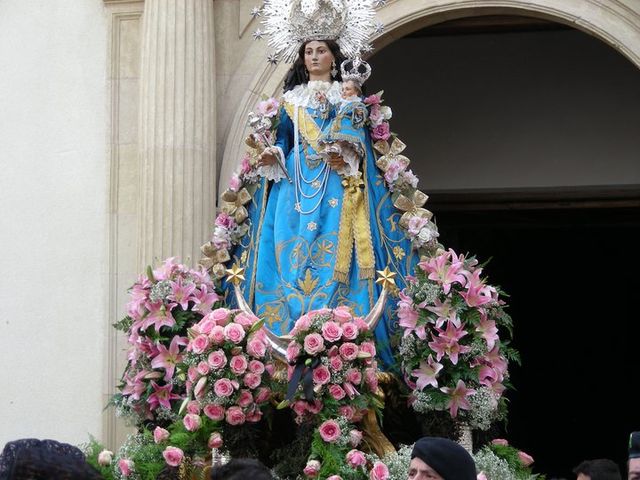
(227, 366)
(451, 354)
(164, 304)
(336, 352)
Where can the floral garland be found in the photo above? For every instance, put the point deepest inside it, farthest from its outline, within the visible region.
(451, 354)
(164, 304)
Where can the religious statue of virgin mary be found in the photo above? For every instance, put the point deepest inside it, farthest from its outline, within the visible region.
(321, 218)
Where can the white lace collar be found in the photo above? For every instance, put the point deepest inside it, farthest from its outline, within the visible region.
(305, 95)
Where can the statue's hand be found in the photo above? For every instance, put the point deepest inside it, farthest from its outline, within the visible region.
(335, 161)
(267, 157)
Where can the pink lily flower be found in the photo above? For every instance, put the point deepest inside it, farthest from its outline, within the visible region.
(168, 358)
(159, 316)
(458, 397)
(477, 293)
(204, 300)
(167, 269)
(407, 315)
(442, 271)
(427, 373)
(135, 386)
(497, 361)
(445, 312)
(161, 396)
(488, 330)
(181, 293)
(449, 340)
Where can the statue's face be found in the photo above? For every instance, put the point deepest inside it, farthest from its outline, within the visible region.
(349, 89)
(318, 58)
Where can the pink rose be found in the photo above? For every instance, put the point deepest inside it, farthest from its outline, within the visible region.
(223, 387)
(349, 351)
(254, 417)
(481, 476)
(214, 412)
(245, 319)
(221, 316)
(192, 374)
(355, 437)
(173, 456)
(347, 411)
(381, 132)
(235, 183)
(198, 390)
(379, 471)
(314, 407)
(329, 431)
(235, 416)
(525, 458)
(105, 457)
(193, 407)
(256, 366)
(372, 100)
(336, 391)
(368, 347)
(342, 314)
(238, 364)
(301, 325)
(500, 441)
(349, 331)
(262, 395)
(215, 440)
(371, 377)
(356, 458)
(312, 468)
(160, 435)
(334, 477)
(206, 325)
(361, 324)
(217, 335)
(354, 376)
(313, 343)
(203, 368)
(252, 380)
(217, 359)
(256, 348)
(224, 220)
(293, 350)
(192, 422)
(234, 333)
(268, 108)
(300, 407)
(321, 375)
(335, 363)
(331, 331)
(375, 115)
(245, 399)
(126, 466)
(199, 344)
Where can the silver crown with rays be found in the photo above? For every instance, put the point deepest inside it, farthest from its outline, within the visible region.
(356, 70)
(289, 24)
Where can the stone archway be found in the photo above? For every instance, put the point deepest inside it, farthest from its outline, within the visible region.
(608, 20)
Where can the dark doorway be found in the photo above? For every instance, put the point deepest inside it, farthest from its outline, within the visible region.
(569, 261)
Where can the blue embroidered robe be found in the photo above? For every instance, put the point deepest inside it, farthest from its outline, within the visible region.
(289, 257)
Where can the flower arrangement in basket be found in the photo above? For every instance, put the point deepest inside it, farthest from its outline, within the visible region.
(333, 383)
(451, 354)
(402, 182)
(164, 304)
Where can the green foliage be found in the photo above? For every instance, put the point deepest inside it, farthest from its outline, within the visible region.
(91, 451)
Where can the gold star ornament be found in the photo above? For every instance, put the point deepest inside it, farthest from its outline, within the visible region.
(235, 274)
(386, 278)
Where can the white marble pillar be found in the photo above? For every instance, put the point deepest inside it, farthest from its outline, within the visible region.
(177, 131)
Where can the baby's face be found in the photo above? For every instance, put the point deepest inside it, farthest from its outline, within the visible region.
(349, 89)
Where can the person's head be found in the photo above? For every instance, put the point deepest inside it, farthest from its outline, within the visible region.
(241, 469)
(598, 469)
(435, 458)
(633, 466)
(316, 59)
(350, 89)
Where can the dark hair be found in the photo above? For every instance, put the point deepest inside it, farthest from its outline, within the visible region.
(599, 469)
(241, 469)
(297, 73)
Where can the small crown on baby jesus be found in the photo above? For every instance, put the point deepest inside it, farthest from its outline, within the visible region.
(355, 70)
